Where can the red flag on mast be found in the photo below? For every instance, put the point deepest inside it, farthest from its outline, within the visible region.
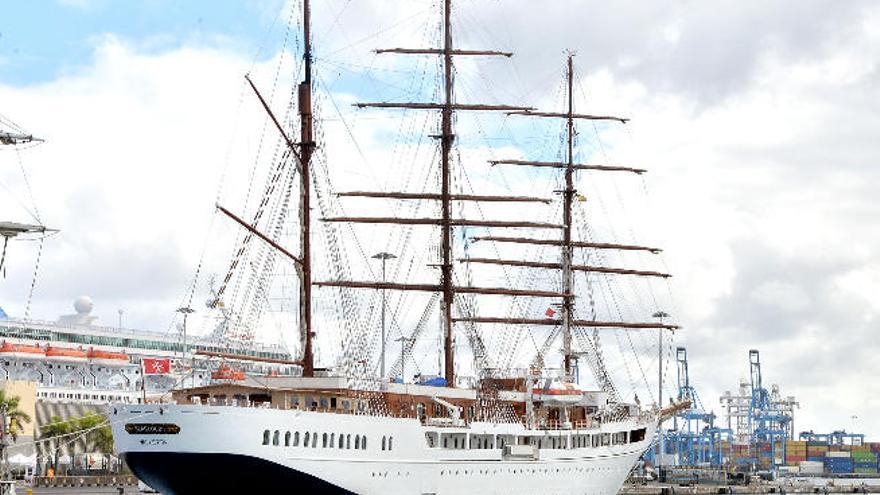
(157, 366)
(550, 313)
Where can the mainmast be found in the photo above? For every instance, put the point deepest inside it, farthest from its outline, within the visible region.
(568, 197)
(447, 108)
(307, 147)
(447, 139)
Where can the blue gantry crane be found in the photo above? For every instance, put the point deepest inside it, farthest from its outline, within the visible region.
(694, 437)
(838, 437)
(770, 424)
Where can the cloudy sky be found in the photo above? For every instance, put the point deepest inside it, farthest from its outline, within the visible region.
(756, 120)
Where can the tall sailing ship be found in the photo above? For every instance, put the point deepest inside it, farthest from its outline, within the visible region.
(333, 431)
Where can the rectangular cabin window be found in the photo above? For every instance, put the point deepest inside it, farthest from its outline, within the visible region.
(431, 439)
(332, 402)
(637, 435)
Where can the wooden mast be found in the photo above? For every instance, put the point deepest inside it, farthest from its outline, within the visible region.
(447, 108)
(446, 141)
(568, 197)
(307, 147)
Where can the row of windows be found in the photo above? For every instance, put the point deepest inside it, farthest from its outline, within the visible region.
(508, 471)
(98, 398)
(327, 440)
(481, 442)
(107, 340)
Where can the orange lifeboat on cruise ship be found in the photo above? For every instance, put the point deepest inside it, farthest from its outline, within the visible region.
(22, 351)
(226, 372)
(65, 354)
(108, 358)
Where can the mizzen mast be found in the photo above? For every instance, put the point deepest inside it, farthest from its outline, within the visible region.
(568, 321)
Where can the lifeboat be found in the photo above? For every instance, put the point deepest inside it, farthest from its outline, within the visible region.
(558, 393)
(22, 351)
(227, 373)
(108, 358)
(65, 354)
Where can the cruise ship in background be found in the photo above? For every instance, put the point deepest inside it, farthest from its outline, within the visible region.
(74, 360)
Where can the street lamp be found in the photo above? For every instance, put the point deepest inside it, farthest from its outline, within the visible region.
(185, 311)
(403, 341)
(660, 315)
(384, 257)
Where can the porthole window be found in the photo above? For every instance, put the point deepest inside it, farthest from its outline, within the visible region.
(314, 439)
(296, 439)
(348, 442)
(390, 443)
(332, 440)
(341, 441)
(324, 440)
(357, 442)
(307, 437)
(266, 435)
(383, 443)
(364, 443)
(276, 437)
(287, 439)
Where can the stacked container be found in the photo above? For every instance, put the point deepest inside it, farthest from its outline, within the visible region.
(864, 462)
(839, 462)
(816, 451)
(812, 467)
(795, 452)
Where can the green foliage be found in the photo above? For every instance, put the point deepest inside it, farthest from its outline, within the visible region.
(93, 427)
(16, 417)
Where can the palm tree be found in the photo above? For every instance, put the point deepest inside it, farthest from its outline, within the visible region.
(97, 432)
(17, 417)
(92, 429)
(57, 427)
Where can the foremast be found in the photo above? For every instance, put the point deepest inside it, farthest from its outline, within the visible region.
(307, 147)
(302, 152)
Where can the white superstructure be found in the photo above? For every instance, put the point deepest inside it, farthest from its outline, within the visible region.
(182, 449)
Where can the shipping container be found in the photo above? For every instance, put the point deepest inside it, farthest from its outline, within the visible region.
(838, 455)
(812, 467)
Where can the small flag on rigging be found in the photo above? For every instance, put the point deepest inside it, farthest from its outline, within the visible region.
(581, 198)
(550, 313)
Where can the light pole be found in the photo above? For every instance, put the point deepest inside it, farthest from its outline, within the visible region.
(384, 257)
(403, 341)
(186, 311)
(662, 440)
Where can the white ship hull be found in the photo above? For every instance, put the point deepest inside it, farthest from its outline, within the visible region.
(221, 450)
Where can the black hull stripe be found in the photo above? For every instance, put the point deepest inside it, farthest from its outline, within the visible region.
(219, 474)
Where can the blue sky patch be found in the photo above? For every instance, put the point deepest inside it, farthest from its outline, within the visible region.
(43, 39)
